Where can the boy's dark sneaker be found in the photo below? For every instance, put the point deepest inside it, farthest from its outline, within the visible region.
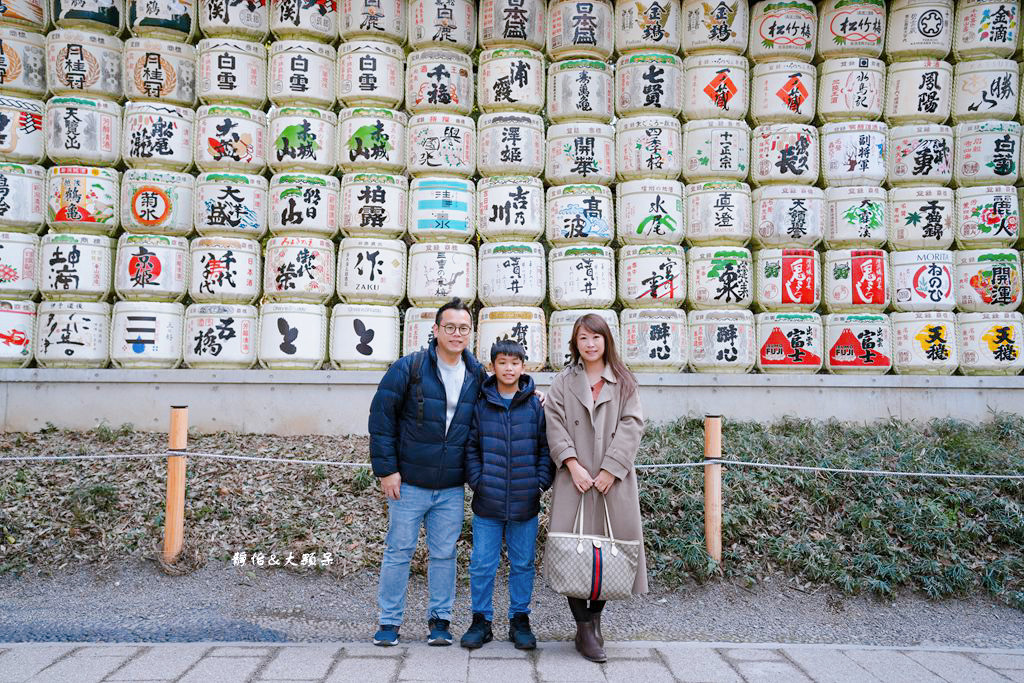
(439, 633)
(519, 632)
(478, 634)
(386, 636)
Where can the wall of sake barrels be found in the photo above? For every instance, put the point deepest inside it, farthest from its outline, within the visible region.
(771, 187)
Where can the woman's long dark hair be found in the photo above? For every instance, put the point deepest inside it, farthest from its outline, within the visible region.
(595, 324)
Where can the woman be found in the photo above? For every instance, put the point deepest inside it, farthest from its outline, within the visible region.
(594, 425)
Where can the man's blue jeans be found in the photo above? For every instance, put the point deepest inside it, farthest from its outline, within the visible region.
(521, 541)
(442, 512)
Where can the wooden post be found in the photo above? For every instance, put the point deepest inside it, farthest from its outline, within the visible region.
(174, 519)
(713, 487)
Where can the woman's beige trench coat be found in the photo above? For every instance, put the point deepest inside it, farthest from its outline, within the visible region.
(605, 435)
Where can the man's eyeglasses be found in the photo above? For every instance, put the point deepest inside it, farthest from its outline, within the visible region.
(461, 329)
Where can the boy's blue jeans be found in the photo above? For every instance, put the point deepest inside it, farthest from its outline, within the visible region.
(521, 541)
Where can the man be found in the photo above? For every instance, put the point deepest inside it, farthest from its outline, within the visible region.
(419, 425)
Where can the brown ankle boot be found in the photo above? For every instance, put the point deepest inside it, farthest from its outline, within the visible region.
(586, 642)
(595, 619)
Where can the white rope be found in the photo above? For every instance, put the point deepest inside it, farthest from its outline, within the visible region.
(88, 456)
(288, 461)
(874, 473)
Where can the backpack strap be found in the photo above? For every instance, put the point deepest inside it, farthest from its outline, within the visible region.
(415, 379)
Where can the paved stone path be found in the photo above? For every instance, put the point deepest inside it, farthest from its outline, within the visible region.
(642, 662)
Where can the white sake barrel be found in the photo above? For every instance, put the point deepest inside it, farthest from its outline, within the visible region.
(312, 22)
(219, 18)
(441, 144)
(511, 79)
(853, 153)
(151, 268)
(789, 342)
(560, 332)
(21, 197)
(146, 334)
(987, 280)
(925, 343)
(649, 212)
(716, 149)
(654, 26)
(919, 28)
(851, 29)
(17, 332)
(450, 25)
(510, 142)
(157, 202)
(18, 262)
(442, 209)
(220, 336)
(417, 329)
(371, 139)
(364, 337)
(374, 205)
(990, 343)
(510, 208)
(580, 29)
(231, 139)
(31, 15)
(648, 147)
(856, 281)
(157, 136)
(299, 269)
(104, 16)
(24, 71)
(782, 31)
(855, 216)
(721, 341)
(581, 277)
(580, 153)
(224, 270)
(83, 199)
(580, 89)
(292, 336)
(787, 215)
(718, 213)
(715, 87)
(719, 278)
(23, 145)
(439, 80)
(231, 204)
(985, 89)
(83, 63)
(922, 280)
(787, 280)
(654, 339)
(652, 276)
(785, 153)
(76, 267)
(858, 344)
(513, 23)
(783, 92)
(920, 218)
(302, 139)
(232, 71)
(985, 28)
(512, 274)
(851, 88)
(986, 217)
(920, 155)
(372, 19)
(160, 70)
(72, 334)
(919, 91)
(301, 73)
(371, 271)
(580, 214)
(173, 21)
(371, 73)
(648, 83)
(521, 324)
(81, 131)
(987, 153)
(714, 28)
(304, 204)
(439, 271)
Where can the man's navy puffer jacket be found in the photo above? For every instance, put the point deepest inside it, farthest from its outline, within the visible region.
(420, 450)
(507, 461)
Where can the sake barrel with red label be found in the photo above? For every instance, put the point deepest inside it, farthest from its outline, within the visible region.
(985, 28)
(990, 343)
(648, 147)
(855, 216)
(716, 149)
(451, 24)
(76, 267)
(439, 272)
(920, 218)
(652, 276)
(987, 280)
(18, 277)
(718, 212)
(580, 29)
(512, 23)
(510, 208)
(230, 139)
(858, 344)
(21, 197)
(580, 153)
(922, 280)
(371, 139)
(582, 277)
(157, 136)
(719, 278)
(920, 155)
(301, 73)
(374, 205)
(925, 343)
(170, 20)
(299, 269)
(789, 342)
(918, 91)
(83, 199)
(17, 332)
(151, 268)
(105, 16)
(441, 144)
(580, 89)
(715, 87)
(521, 324)
(384, 19)
(787, 215)
(987, 217)
(417, 329)
(853, 153)
(856, 280)
(649, 212)
(787, 280)
(311, 22)
(292, 336)
(714, 27)
(560, 332)
(512, 274)
(83, 63)
(439, 80)
(303, 139)
(225, 270)
(146, 334)
(650, 25)
(511, 79)
(848, 28)
(371, 73)
(721, 341)
(784, 153)
(364, 337)
(783, 92)
(24, 55)
(654, 339)
(851, 88)
(580, 214)
(648, 83)
(442, 209)
(220, 336)
(371, 271)
(72, 334)
(31, 15)
(783, 30)
(304, 204)
(232, 71)
(24, 144)
(510, 141)
(985, 89)
(231, 204)
(919, 28)
(987, 153)
(82, 131)
(160, 70)
(220, 18)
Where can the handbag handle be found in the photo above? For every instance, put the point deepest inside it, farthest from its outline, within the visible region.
(577, 525)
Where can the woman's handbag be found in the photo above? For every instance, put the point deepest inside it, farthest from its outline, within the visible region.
(591, 567)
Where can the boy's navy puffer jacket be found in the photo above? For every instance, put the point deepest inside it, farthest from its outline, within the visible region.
(507, 461)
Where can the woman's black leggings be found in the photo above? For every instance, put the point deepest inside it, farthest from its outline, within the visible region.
(581, 612)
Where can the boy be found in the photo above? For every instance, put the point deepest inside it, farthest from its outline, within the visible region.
(507, 467)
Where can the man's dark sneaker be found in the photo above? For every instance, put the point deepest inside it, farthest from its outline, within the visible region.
(439, 633)
(478, 634)
(519, 632)
(386, 636)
